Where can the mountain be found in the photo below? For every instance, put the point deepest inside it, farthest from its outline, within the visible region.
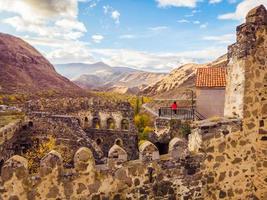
(179, 79)
(102, 77)
(23, 69)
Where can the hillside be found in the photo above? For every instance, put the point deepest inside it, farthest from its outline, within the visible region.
(102, 77)
(179, 79)
(23, 69)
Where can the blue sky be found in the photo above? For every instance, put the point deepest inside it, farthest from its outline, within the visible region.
(153, 35)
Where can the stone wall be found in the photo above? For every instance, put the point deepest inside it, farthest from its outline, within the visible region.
(166, 178)
(8, 135)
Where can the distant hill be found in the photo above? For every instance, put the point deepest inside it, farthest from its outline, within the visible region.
(23, 69)
(102, 77)
(179, 79)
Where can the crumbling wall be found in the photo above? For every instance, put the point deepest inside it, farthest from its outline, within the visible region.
(236, 164)
(166, 178)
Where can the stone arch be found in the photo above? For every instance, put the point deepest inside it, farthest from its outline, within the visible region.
(119, 142)
(110, 123)
(116, 156)
(125, 125)
(178, 148)
(86, 119)
(96, 123)
(148, 151)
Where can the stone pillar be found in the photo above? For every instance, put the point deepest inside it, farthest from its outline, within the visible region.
(247, 65)
(246, 91)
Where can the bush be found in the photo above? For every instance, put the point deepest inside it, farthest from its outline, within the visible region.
(141, 121)
(185, 129)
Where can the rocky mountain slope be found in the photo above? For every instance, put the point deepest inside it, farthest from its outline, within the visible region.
(23, 69)
(179, 79)
(102, 77)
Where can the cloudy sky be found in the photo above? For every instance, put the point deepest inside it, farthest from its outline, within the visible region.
(154, 35)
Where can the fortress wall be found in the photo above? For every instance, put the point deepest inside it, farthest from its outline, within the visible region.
(166, 178)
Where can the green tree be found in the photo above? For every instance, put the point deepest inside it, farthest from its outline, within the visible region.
(137, 106)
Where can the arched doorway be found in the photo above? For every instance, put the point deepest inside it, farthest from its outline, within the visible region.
(162, 147)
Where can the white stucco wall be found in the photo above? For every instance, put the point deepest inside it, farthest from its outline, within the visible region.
(210, 101)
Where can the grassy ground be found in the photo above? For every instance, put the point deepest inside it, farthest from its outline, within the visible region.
(8, 117)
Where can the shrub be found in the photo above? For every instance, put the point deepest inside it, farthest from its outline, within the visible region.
(185, 129)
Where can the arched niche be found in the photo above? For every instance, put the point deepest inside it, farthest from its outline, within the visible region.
(110, 123)
(96, 123)
(125, 125)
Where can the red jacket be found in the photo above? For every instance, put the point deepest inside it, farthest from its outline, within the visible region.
(174, 106)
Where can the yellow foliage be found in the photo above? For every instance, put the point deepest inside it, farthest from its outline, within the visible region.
(34, 155)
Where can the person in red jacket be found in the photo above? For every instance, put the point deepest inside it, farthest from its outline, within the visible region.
(174, 107)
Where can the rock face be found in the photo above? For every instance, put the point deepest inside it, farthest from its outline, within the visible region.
(24, 69)
(179, 79)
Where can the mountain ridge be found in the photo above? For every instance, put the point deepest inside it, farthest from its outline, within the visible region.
(24, 69)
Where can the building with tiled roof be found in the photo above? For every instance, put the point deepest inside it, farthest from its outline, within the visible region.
(211, 77)
(210, 91)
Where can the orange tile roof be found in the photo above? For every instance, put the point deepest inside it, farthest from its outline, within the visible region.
(211, 77)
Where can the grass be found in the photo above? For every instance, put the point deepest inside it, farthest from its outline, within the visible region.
(9, 117)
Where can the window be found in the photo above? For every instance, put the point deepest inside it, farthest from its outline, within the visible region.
(119, 142)
(96, 123)
(125, 124)
(98, 141)
(86, 119)
(110, 123)
(30, 124)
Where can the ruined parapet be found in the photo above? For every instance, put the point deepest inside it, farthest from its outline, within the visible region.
(51, 163)
(178, 148)
(84, 160)
(116, 156)
(148, 152)
(156, 178)
(14, 175)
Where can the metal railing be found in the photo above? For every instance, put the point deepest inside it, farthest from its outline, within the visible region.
(183, 113)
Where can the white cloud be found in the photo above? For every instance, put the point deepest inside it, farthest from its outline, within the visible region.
(205, 25)
(158, 28)
(131, 58)
(127, 36)
(223, 39)
(177, 3)
(196, 22)
(97, 38)
(52, 18)
(214, 1)
(183, 21)
(242, 9)
(114, 14)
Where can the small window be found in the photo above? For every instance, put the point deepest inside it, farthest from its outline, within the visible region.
(96, 123)
(30, 124)
(125, 124)
(110, 123)
(86, 119)
(98, 141)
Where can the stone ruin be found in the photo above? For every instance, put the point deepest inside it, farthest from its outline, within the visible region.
(225, 158)
(98, 127)
(120, 179)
